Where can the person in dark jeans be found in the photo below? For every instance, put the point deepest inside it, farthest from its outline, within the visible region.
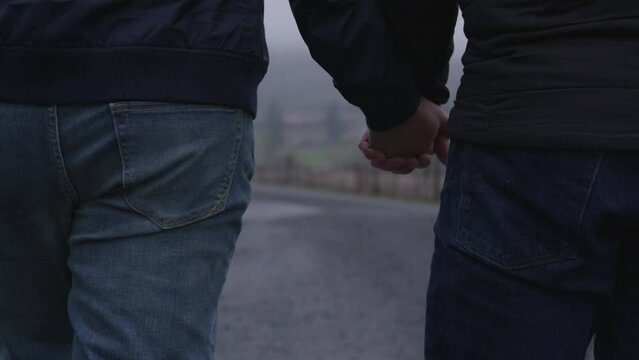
(126, 150)
(537, 241)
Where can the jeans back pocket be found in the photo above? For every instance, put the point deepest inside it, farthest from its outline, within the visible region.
(515, 208)
(178, 159)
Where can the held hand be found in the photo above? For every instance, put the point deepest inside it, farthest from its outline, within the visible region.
(408, 146)
(415, 136)
(397, 165)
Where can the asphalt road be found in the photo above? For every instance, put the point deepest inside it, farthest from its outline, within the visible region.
(319, 276)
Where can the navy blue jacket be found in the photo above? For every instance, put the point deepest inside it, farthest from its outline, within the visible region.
(73, 51)
(537, 73)
(383, 54)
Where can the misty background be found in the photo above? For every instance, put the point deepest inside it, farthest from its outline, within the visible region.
(316, 275)
(307, 134)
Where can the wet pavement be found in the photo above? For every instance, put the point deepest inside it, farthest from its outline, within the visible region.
(320, 276)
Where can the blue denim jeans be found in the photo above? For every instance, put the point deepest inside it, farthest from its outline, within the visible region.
(117, 225)
(536, 252)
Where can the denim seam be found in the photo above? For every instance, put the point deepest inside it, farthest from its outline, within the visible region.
(460, 206)
(57, 152)
(582, 215)
(599, 353)
(236, 154)
(220, 200)
(220, 203)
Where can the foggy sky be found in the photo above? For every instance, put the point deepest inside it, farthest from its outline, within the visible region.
(281, 31)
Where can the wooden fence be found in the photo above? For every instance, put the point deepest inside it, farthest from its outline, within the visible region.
(360, 178)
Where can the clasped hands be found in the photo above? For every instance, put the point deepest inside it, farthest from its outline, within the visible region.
(410, 145)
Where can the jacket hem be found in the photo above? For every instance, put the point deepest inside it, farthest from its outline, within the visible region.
(581, 118)
(70, 76)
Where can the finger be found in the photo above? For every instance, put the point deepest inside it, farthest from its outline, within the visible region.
(411, 164)
(364, 142)
(369, 153)
(366, 136)
(374, 155)
(363, 146)
(390, 164)
(425, 158)
(424, 161)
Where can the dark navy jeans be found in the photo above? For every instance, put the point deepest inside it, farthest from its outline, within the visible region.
(536, 252)
(117, 225)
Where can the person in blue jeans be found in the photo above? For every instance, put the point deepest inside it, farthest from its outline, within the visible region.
(126, 151)
(537, 240)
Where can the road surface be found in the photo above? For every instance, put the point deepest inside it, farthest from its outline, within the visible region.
(320, 276)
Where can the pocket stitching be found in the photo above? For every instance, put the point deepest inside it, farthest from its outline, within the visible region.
(462, 235)
(587, 200)
(218, 205)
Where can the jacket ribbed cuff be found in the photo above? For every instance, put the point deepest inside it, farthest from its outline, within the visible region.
(385, 107)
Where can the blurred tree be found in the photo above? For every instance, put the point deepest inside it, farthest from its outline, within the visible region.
(274, 135)
(334, 126)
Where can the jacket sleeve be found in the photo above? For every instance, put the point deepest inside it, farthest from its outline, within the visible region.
(424, 30)
(370, 63)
